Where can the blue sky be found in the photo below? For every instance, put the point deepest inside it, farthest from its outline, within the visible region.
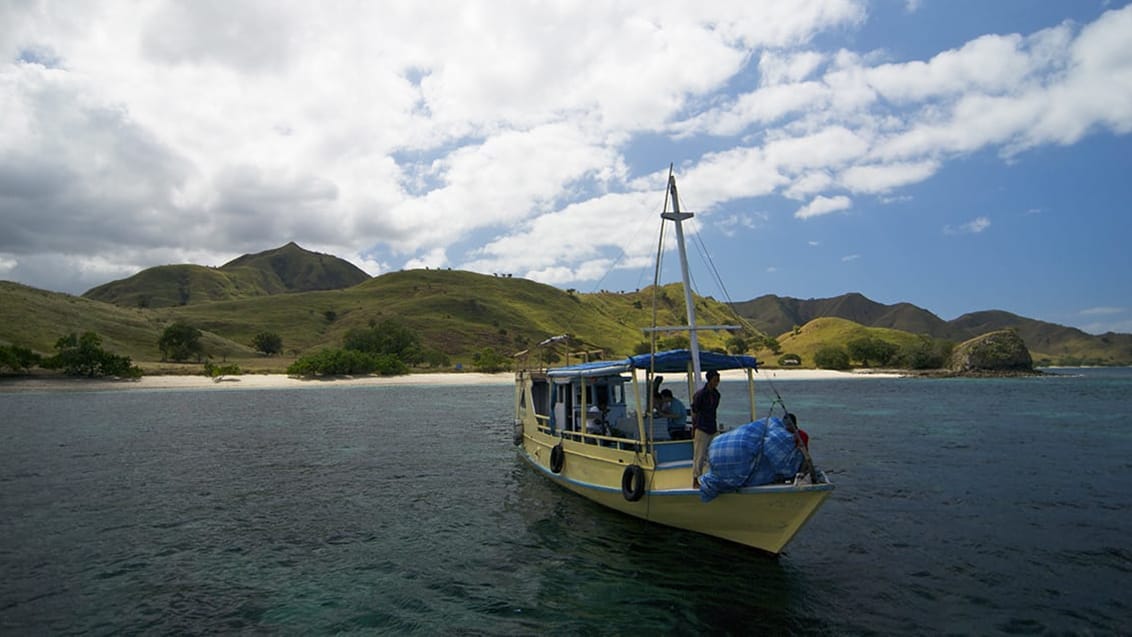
(958, 155)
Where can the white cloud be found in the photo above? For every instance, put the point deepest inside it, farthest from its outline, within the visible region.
(822, 205)
(138, 134)
(1120, 326)
(436, 258)
(877, 178)
(975, 226)
(850, 257)
(1103, 311)
(730, 224)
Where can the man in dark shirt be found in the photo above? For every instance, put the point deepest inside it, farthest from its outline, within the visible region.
(704, 406)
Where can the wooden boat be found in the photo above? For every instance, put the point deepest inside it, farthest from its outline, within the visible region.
(591, 428)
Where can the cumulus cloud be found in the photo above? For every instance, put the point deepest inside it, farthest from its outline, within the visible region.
(457, 134)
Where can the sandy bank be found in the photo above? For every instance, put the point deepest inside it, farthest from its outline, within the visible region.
(281, 381)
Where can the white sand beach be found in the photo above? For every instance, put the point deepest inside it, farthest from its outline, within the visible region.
(282, 381)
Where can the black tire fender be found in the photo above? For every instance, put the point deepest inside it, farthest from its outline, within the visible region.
(633, 483)
(557, 458)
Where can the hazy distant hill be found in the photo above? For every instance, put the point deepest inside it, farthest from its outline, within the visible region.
(777, 314)
(282, 270)
(1047, 342)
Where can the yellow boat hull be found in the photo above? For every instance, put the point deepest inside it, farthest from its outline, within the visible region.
(764, 517)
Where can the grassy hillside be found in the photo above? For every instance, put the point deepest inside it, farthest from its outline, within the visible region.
(172, 285)
(821, 332)
(458, 313)
(1048, 343)
(282, 270)
(36, 319)
(298, 270)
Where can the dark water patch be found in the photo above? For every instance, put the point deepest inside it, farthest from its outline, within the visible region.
(963, 507)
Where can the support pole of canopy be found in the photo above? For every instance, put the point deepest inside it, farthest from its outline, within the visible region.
(751, 392)
(678, 218)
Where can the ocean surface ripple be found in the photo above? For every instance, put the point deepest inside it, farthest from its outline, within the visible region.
(989, 506)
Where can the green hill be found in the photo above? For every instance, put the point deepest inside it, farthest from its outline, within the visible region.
(1048, 343)
(279, 271)
(460, 313)
(36, 319)
(822, 332)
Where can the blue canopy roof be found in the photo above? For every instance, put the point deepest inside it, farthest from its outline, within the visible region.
(677, 360)
(671, 361)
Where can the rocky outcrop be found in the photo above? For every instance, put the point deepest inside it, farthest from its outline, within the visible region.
(1002, 351)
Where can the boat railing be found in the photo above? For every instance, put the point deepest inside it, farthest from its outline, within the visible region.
(602, 440)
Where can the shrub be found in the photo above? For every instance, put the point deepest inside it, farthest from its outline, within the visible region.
(489, 361)
(387, 337)
(216, 371)
(18, 358)
(84, 356)
(790, 360)
(832, 357)
(268, 342)
(868, 348)
(339, 362)
(180, 341)
(926, 354)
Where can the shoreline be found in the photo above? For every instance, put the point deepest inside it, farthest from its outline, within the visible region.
(17, 384)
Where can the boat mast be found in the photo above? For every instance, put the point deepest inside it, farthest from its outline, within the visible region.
(678, 218)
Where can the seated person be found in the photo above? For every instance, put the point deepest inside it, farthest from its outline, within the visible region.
(790, 421)
(676, 415)
(595, 422)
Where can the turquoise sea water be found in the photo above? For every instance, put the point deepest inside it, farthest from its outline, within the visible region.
(962, 506)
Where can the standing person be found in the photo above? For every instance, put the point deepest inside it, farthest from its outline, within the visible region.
(704, 406)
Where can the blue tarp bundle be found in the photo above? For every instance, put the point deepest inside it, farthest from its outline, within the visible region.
(758, 452)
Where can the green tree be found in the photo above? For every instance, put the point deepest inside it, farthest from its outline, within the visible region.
(736, 345)
(338, 362)
(870, 349)
(489, 361)
(832, 357)
(179, 342)
(268, 342)
(18, 359)
(387, 337)
(924, 354)
(436, 358)
(83, 356)
(773, 345)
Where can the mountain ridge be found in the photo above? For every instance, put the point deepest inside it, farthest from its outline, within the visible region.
(1047, 342)
(286, 269)
(296, 292)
